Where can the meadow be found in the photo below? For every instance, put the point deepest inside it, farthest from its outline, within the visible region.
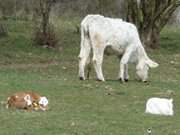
(84, 107)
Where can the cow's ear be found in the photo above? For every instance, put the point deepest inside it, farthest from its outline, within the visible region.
(151, 63)
(140, 65)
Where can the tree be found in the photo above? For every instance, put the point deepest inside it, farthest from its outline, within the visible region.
(45, 8)
(3, 30)
(6, 8)
(150, 16)
(45, 34)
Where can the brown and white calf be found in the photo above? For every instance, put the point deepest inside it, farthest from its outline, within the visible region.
(27, 101)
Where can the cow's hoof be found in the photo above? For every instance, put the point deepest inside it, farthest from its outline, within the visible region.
(126, 80)
(145, 81)
(121, 80)
(99, 80)
(81, 78)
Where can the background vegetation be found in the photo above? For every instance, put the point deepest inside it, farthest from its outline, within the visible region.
(83, 107)
(80, 107)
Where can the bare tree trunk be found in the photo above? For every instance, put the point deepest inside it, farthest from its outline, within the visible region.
(45, 34)
(45, 8)
(3, 30)
(150, 37)
(101, 6)
(150, 16)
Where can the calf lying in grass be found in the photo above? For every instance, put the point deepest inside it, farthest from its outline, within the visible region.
(28, 101)
(160, 106)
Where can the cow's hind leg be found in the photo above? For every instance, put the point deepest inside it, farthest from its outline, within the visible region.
(84, 58)
(97, 62)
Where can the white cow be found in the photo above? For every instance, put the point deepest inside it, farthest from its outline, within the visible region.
(99, 32)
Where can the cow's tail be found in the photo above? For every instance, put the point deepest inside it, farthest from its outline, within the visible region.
(85, 38)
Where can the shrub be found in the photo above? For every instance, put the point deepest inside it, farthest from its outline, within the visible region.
(46, 39)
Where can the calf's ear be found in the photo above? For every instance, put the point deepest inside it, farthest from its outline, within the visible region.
(151, 63)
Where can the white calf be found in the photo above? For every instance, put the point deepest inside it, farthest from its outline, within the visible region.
(160, 106)
(99, 32)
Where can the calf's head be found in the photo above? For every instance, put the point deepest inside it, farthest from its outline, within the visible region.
(40, 104)
(43, 103)
(142, 68)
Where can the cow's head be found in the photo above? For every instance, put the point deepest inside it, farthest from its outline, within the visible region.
(142, 68)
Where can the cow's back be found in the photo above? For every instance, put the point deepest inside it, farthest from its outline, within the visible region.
(111, 32)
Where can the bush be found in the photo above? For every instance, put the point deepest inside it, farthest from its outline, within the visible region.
(46, 39)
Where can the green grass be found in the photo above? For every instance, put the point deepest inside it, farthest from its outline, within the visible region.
(83, 107)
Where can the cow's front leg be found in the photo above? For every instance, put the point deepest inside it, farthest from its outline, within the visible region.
(123, 72)
(126, 76)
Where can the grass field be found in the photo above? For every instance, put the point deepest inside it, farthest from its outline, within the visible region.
(84, 107)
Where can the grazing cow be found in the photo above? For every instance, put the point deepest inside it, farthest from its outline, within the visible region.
(160, 106)
(99, 32)
(27, 101)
